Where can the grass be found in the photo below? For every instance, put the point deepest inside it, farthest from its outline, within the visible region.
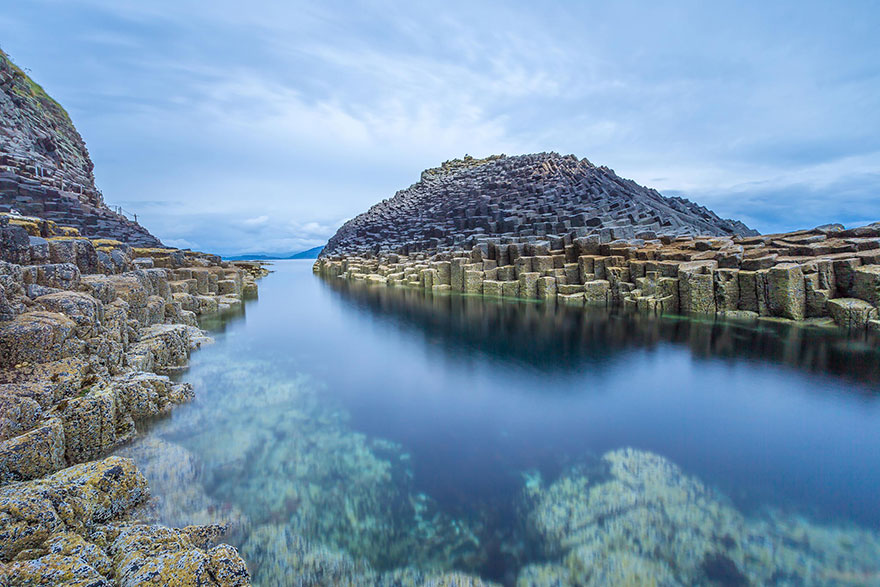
(34, 90)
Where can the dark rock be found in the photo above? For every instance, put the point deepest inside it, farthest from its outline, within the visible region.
(544, 201)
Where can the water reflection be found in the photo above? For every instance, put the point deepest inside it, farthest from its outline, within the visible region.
(551, 337)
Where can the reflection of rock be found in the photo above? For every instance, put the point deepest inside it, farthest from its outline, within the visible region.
(527, 332)
(646, 521)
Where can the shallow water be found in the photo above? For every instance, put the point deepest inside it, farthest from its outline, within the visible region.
(347, 432)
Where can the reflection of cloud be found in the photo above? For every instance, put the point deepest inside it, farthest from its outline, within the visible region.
(321, 111)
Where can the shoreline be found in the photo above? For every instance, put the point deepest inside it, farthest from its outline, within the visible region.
(89, 331)
(828, 276)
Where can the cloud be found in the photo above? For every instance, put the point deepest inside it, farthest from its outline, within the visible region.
(241, 129)
(256, 222)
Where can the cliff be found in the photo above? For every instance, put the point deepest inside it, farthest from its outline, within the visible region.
(45, 168)
(466, 201)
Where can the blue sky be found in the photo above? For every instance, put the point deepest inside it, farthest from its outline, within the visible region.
(245, 126)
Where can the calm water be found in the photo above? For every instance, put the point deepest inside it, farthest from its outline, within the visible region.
(348, 432)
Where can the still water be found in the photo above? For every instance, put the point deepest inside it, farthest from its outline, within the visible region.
(381, 436)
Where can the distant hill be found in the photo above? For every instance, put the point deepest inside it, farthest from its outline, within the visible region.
(308, 254)
(523, 198)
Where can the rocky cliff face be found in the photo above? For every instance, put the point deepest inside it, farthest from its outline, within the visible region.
(521, 198)
(45, 169)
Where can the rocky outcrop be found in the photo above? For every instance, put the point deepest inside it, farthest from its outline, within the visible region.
(45, 169)
(71, 528)
(89, 330)
(517, 199)
(819, 275)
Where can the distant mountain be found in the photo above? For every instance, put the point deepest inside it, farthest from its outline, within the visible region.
(309, 254)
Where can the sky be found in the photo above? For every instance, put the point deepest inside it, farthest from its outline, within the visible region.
(258, 126)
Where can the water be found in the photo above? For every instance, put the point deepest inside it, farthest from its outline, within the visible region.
(374, 435)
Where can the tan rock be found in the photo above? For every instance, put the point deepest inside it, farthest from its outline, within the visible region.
(33, 454)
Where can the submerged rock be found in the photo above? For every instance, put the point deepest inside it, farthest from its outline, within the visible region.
(645, 522)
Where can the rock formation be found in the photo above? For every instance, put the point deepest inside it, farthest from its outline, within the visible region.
(561, 229)
(517, 199)
(826, 274)
(89, 331)
(45, 169)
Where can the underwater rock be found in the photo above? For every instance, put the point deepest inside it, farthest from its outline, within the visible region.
(279, 557)
(175, 477)
(543, 575)
(644, 519)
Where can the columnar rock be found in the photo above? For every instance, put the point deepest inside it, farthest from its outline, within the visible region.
(825, 274)
(522, 205)
(45, 169)
(89, 330)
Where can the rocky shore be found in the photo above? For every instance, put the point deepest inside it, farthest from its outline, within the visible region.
(826, 276)
(89, 331)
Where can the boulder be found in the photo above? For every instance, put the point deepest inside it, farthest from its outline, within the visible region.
(69, 500)
(597, 292)
(58, 275)
(866, 283)
(92, 425)
(696, 288)
(68, 560)
(83, 309)
(159, 347)
(33, 454)
(36, 337)
(851, 312)
(166, 556)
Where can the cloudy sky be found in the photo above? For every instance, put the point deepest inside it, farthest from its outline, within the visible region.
(236, 126)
